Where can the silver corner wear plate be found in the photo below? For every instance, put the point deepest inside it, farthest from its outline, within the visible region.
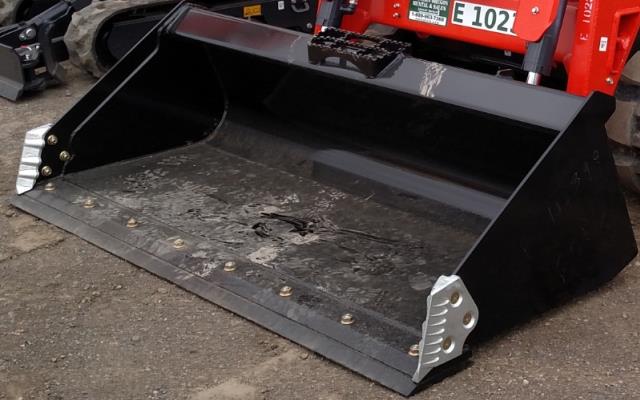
(451, 316)
(29, 169)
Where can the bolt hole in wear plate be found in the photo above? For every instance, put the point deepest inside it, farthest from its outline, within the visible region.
(331, 193)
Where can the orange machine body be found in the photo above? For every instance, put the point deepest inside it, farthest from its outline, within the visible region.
(595, 40)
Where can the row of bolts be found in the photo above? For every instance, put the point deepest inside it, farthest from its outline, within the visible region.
(286, 291)
(64, 155)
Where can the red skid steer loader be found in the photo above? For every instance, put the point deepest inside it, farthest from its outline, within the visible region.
(412, 179)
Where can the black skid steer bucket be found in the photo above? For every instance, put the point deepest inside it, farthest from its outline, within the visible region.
(383, 222)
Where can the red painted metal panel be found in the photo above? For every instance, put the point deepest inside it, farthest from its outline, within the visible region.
(605, 32)
(595, 41)
(534, 18)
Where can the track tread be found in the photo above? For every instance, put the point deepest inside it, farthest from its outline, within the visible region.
(7, 11)
(82, 33)
(624, 126)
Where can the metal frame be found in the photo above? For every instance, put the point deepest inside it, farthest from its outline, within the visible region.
(31, 51)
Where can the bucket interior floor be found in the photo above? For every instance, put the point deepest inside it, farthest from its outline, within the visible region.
(372, 255)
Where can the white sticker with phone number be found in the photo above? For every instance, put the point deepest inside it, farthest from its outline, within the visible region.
(487, 18)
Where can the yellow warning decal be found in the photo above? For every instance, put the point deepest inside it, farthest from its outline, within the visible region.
(253, 11)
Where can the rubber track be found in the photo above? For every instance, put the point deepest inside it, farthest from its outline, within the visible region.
(7, 11)
(624, 126)
(81, 35)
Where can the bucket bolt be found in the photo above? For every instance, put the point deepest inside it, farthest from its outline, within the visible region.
(46, 170)
(286, 291)
(467, 319)
(347, 319)
(52, 140)
(414, 350)
(89, 203)
(132, 223)
(455, 298)
(230, 266)
(49, 187)
(446, 343)
(64, 156)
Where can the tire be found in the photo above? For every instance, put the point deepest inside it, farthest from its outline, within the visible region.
(8, 10)
(624, 126)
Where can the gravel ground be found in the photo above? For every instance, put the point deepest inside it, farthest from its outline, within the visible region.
(78, 323)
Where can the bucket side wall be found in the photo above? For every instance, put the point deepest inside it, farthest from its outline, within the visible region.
(565, 231)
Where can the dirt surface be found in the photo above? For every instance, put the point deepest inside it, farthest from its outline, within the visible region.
(78, 323)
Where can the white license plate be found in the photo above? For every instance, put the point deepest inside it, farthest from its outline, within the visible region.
(487, 18)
